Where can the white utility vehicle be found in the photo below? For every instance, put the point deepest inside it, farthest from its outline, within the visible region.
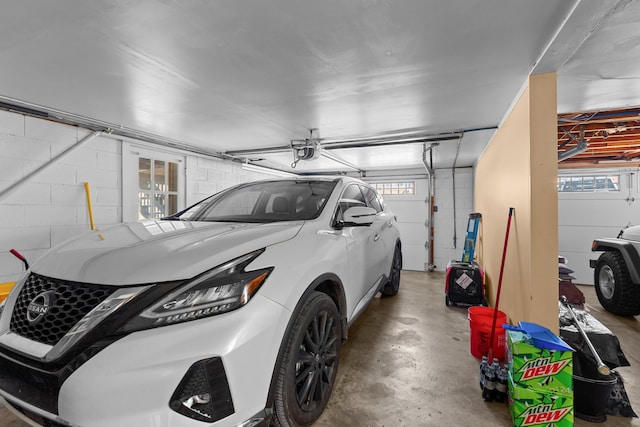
(617, 272)
(230, 313)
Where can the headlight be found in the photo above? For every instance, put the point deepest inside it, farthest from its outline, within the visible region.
(223, 289)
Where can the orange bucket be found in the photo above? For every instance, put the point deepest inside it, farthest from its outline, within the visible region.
(480, 321)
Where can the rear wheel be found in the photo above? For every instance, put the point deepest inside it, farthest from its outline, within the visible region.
(393, 285)
(614, 288)
(310, 363)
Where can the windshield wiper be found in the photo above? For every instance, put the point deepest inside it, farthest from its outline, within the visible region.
(172, 218)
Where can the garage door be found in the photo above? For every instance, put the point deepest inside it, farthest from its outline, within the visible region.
(406, 199)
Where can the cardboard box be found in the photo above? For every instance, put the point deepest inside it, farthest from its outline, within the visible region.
(529, 407)
(541, 370)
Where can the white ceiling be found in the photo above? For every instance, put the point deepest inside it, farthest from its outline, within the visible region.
(232, 75)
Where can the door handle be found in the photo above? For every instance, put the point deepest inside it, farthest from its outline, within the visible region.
(390, 223)
(376, 237)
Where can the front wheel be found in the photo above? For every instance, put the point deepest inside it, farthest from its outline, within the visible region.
(614, 288)
(393, 285)
(310, 363)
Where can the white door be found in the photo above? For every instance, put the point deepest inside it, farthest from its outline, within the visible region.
(406, 199)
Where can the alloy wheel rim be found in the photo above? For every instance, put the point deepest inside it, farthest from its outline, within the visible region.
(606, 282)
(395, 277)
(315, 363)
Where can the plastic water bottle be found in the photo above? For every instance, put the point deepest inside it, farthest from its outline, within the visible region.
(495, 364)
(483, 369)
(505, 378)
(501, 385)
(489, 389)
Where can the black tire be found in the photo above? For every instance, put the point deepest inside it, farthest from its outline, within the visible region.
(310, 363)
(447, 301)
(614, 288)
(393, 285)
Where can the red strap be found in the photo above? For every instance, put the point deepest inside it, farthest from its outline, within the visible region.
(17, 254)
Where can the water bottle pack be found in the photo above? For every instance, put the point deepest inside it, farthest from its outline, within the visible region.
(493, 380)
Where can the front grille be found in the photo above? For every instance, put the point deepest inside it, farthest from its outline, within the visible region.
(69, 302)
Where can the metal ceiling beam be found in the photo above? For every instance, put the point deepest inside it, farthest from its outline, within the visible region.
(115, 130)
(354, 143)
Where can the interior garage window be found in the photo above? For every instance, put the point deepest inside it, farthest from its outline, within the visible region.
(153, 182)
(588, 183)
(403, 188)
(157, 188)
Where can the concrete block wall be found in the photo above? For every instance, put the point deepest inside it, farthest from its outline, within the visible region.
(444, 218)
(52, 207)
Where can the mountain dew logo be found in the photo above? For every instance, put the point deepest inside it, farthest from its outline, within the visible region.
(542, 414)
(542, 367)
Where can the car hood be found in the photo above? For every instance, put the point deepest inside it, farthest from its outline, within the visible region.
(157, 251)
(631, 233)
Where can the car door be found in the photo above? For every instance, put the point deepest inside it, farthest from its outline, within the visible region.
(360, 241)
(383, 233)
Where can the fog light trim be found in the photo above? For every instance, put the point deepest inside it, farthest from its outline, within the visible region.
(203, 393)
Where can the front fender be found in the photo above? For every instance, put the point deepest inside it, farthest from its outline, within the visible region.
(628, 251)
(329, 284)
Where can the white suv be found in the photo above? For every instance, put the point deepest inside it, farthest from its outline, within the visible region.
(230, 313)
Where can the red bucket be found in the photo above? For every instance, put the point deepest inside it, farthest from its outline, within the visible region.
(480, 321)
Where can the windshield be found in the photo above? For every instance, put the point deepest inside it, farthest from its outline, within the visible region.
(266, 201)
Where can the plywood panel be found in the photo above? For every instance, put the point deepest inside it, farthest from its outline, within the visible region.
(519, 169)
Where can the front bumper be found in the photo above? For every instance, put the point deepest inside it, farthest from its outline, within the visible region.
(131, 381)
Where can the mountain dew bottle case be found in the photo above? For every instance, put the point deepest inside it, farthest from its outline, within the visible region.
(540, 383)
(536, 408)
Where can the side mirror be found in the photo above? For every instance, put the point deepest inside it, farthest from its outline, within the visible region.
(359, 216)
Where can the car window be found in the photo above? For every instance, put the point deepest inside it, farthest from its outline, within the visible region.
(353, 192)
(351, 196)
(278, 204)
(265, 201)
(372, 199)
(238, 204)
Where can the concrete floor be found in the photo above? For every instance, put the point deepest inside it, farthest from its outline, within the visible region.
(407, 363)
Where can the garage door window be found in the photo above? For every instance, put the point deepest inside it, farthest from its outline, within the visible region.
(406, 188)
(589, 183)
